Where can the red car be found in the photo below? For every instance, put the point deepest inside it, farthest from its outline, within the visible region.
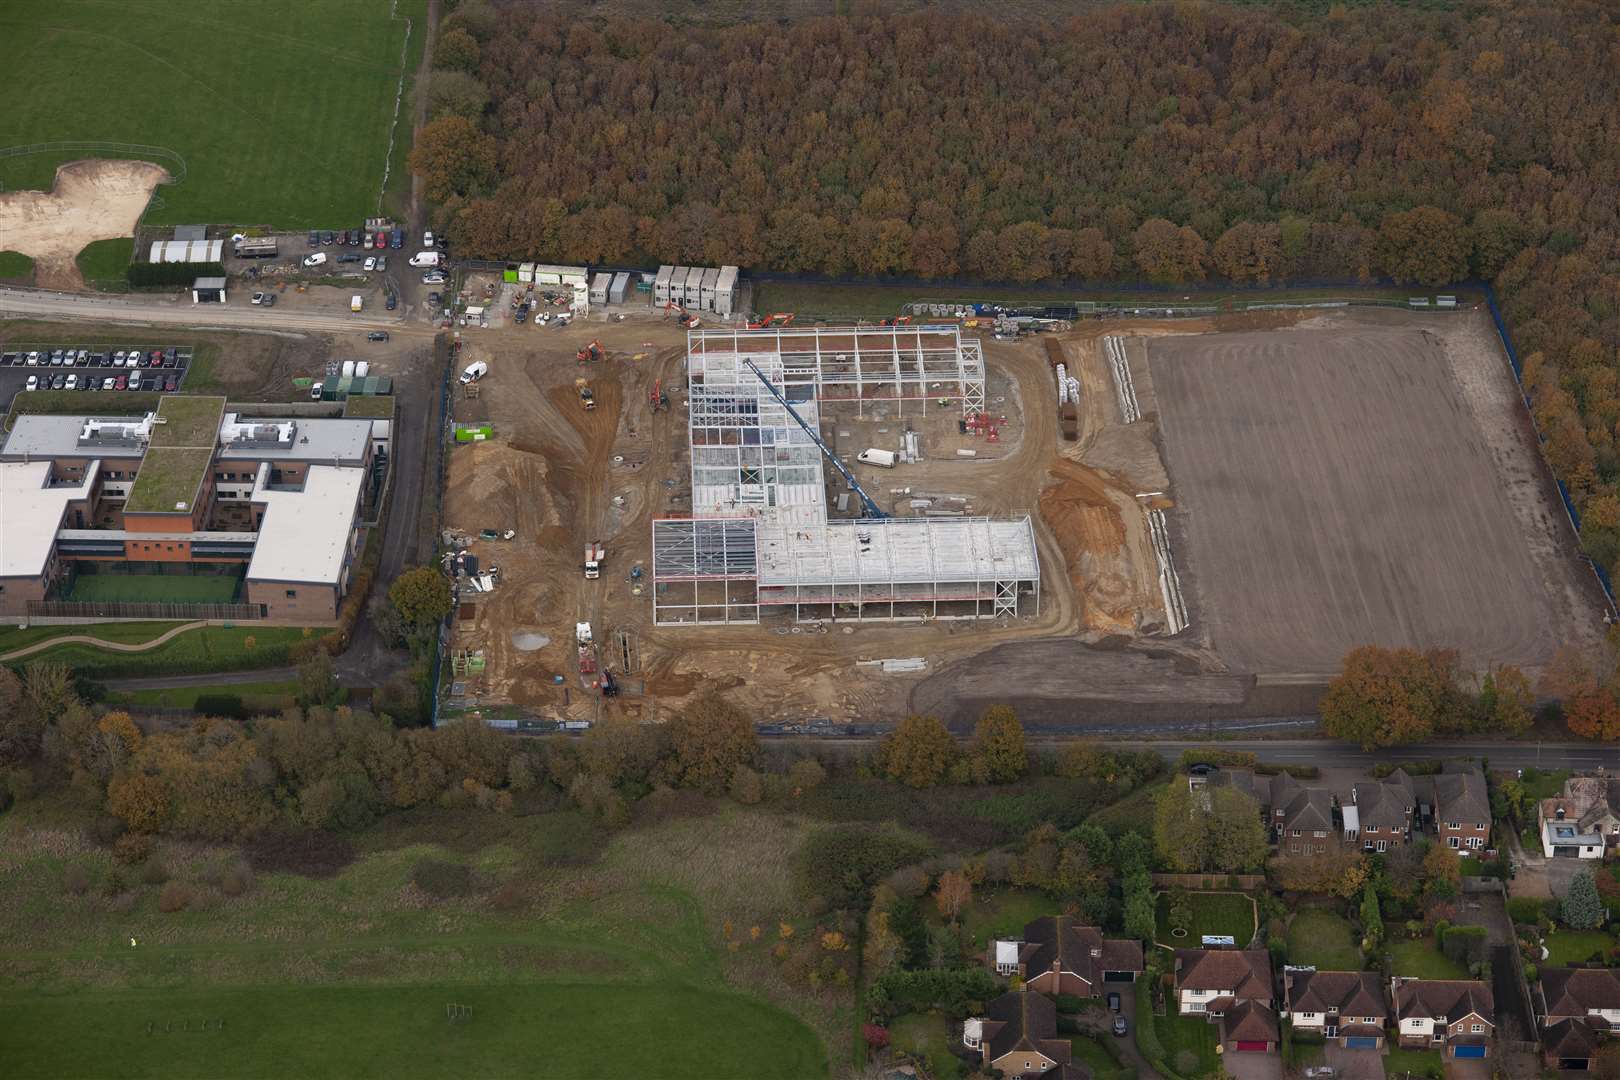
(155, 358)
(122, 383)
(380, 241)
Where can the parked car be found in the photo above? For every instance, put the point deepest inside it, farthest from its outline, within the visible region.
(328, 237)
(392, 302)
(33, 358)
(72, 382)
(156, 358)
(314, 238)
(1120, 1026)
(357, 238)
(397, 241)
(371, 264)
(377, 335)
(434, 277)
(134, 382)
(1113, 1001)
(427, 239)
(58, 381)
(171, 383)
(169, 361)
(441, 241)
(109, 383)
(56, 358)
(317, 259)
(382, 262)
(269, 299)
(121, 383)
(315, 392)
(257, 298)
(32, 383)
(69, 358)
(348, 258)
(435, 298)
(134, 357)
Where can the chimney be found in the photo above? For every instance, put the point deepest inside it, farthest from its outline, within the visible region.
(1560, 812)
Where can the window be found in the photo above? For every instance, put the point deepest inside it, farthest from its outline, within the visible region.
(970, 1041)
(1453, 842)
(1321, 849)
(1319, 833)
(1453, 824)
(1307, 1016)
(1296, 832)
(1476, 842)
(1383, 845)
(292, 594)
(1369, 828)
(1293, 849)
(1476, 1027)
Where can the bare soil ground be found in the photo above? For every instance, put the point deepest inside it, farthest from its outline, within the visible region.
(1364, 478)
(90, 200)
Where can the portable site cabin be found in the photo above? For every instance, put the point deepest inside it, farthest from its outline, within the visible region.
(620, 289)
(693, 291)
(600, 284)
(677, 286)
(661, 285)
(526, 273)
(208, 290)
(725, 292)
(711, 277)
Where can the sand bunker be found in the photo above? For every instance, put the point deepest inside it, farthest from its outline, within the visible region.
(90, 200)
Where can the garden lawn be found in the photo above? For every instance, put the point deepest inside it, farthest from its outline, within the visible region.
(1230, 914)
(15, 266)
(1192, 1034)
(927, 1036)
(1003, 914)
(1565, 947)
(1423, 960)
(1400, 1062)
(155, 588)
(125, 633)
(1091, 1053)
(277, 112)
(209, 648)
(1323, 940)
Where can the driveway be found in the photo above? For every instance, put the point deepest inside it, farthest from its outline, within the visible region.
(1127, 999)
(1469, 1068)
(1353, 1064)
(1253, 1066)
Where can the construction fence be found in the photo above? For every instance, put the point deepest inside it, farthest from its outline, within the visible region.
(105, 610)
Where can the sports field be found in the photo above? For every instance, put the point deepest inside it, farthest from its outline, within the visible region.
(280, 111)
(575, 954)
(155, 588)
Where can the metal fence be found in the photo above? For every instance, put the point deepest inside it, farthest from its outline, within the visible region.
(136, 609)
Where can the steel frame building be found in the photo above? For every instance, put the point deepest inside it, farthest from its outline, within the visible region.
(759, 540)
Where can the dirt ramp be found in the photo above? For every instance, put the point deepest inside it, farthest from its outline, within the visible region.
(1102, 534)
(88, 201)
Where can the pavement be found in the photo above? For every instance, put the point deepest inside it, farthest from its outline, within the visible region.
(1253, 1066)
(1469, 1068)
(1353, 1064)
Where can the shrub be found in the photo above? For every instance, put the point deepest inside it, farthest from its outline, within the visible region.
(1067, 1025)
(229, 706)
(154, 873)
(876, 1036)
(1147, 1035)
(156, 275)
(174, 897)
(106, 829)
(806, 774)
(1426, 767)
(953, 991)
(1214, 755)
(132, 848)
(76, 880)
(442, 880)
(1525, 909)
(746, 786)
(310, 853)
(1072, 1003)
(841, 863)
(237, 880)
(509, 897)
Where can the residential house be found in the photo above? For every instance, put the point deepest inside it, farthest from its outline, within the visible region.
(1384, 812)
(1462, 810)
(1347, 1007)
(1583, 822)
(1058, 956)
(1299, 819)
(1457, 1014)
(1018, 1036)
(1232, 987)
(1577, 1006)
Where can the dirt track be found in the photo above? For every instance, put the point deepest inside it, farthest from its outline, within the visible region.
(90, 200)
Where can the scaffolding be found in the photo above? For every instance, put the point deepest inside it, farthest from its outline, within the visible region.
(759, 541)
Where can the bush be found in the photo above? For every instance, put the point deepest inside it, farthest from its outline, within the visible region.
(106, 829)
(229, 706)
(442, 880)
(176, 895)
(237, 880)
(156, 275)
(310, 853)
(746, 786)
(953, 991)
(1147, 1035)
(76, 880)
(1298, 772)
(1426, 767)
(1067, 1025)
(509, 897)
(154, 873)
(1211, 755)
(1073, 1003)
(841, 863)
(132, 848)
(1463, 945)
(1525, 909)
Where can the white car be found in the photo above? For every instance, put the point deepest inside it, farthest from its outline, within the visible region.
(317, 259)
(371, 263)
(33, 359)
(72, 382)
(70, 358)
(118, 358)
(109, 383)
(32, 383)
(257, 298)
(134, 382)
(427, 239)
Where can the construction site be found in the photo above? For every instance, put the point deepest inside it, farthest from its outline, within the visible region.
(852, 522)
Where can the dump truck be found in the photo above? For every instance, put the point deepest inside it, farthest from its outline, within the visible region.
(594, 554)
(1070, 418)
(587, 400)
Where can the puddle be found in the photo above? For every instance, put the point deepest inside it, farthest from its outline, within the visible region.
(528, 641)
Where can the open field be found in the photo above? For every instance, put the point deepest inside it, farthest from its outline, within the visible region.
(103, 262)
(210, 648)
(598, 960)
(297, 138)
(15, 266)
(1565, 947)
(159, 588)
(1347, 483)
(127, 633)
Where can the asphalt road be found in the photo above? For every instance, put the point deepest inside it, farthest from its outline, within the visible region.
(166, 310)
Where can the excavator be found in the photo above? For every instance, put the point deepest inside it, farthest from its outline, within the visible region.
(591, 350)
(901, 320)
(659, 399)
(781, 318)
(687, 319)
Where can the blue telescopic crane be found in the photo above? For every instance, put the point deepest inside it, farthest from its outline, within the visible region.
(871, 507)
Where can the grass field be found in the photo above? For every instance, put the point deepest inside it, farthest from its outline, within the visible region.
(1088, 1051)
(1133, 813)
(1403, 1063)
(1565, 947)
(1323, 940)
(296, 136)
(13, 637)
(257, 697)
(1192, 1035)
(1422, 960)
(608, 963)
(929, 1038)
(15, 266)
(1231, 914)
(157, 588)
(210, 648)
(103, 262)
(1004, 913)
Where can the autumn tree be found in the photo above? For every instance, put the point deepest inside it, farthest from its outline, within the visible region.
(1248, 252)
(711, 739)
(919, 752)
(1212, 829)
(952, 894)
(317, 680)
(1424, 246)
(453, 158)
(1339, 873)
(1591, 708)
(1169, 254)
(456, 93)
(140, 800)
(1504, 701)
(421, 596)
(1386, 697)
(456, 50)
(998, 752)
(1442, 871)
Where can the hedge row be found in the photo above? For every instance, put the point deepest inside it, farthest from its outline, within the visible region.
(149, 275)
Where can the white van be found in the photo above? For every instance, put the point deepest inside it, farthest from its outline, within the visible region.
(425, 258)
(356, 302)
(883, 459)
(475, 371)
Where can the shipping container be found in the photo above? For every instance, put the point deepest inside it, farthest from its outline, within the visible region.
(692, 292)
(725, 292)
(526, 273)
(620, 289)
(661, 285)
(711, 277)
(600, 284)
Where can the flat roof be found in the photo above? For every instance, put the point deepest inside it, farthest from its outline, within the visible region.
(304, 534)
(39, 435)
(168, 480)
(879, 551)
(185, 420)
(327, 439)
(208, 283)
(30, 514)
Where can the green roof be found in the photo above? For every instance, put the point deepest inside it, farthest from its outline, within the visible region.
(168, 476)
(188, 421)
(375, 407)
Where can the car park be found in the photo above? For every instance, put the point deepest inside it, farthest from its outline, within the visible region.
(381, 240)
(343, 238)
(134, 382)
(32, 383)
(377, 335)
(33, 359)
(317, 259)
(382, 262)
(348, 258)
(357, 238)
(171, 383)
(58, 381)
(328, 238)
(397, 241)
(118, 358)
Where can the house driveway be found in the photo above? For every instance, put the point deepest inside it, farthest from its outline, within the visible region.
(1470, 1068)
(1353, 1064)
(1253, 1066)
(1127, 1009)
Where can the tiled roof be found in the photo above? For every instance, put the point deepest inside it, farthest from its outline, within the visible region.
(1578, 991)
(1246, 973)
(1058, 940)
(1461, 796)
(1450, 998)
(1382, 804)
(1349, 993)
(1024, 1020)
(1308, 808)
(1570, 1039)
(1250, 1021)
